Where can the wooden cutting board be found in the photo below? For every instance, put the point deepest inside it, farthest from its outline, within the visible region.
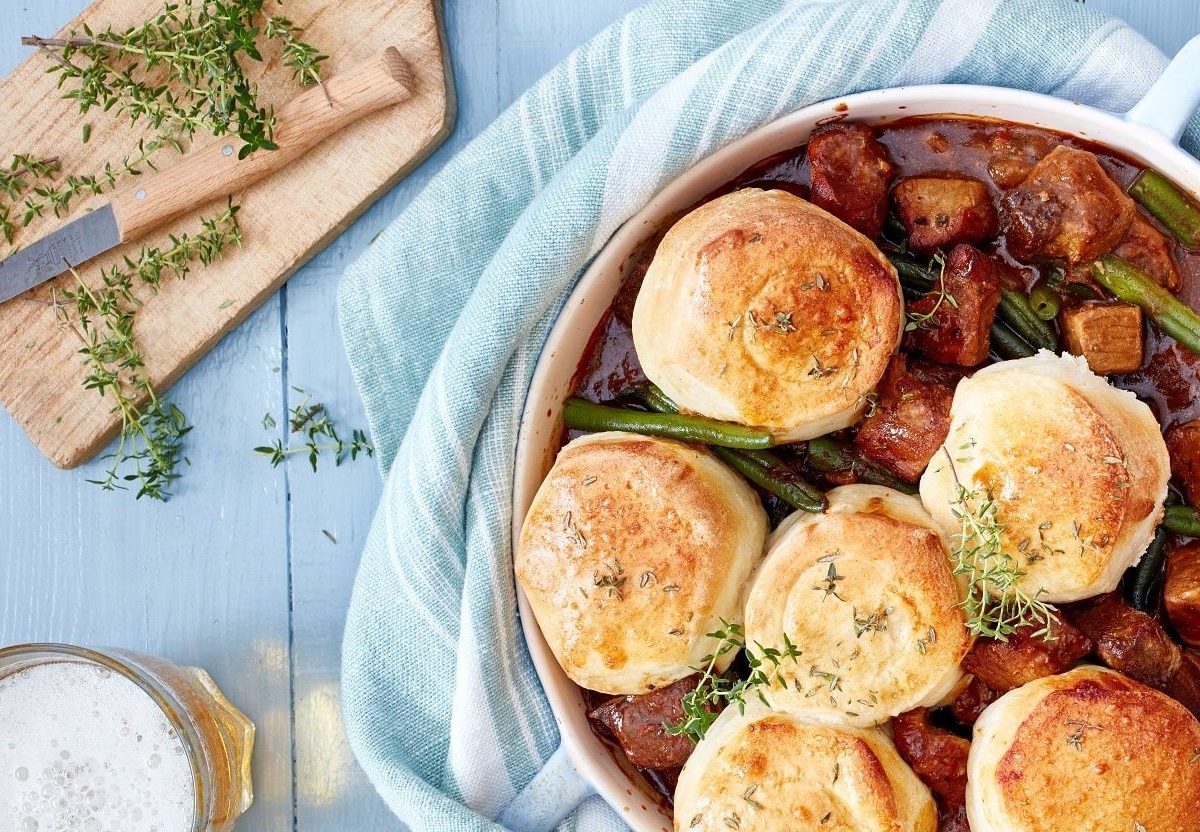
(285, 219)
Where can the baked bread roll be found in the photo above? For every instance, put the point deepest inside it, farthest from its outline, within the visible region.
(1078, 470)
(633, 550)
(1088, 751)
(761, 308)
(765, 770)
(865, 592)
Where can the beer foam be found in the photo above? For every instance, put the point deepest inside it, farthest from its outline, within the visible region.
(84, 749)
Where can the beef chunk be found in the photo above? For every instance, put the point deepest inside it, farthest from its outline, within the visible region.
(636, 723)
(1148, 248)
(939, 758)
(1067, 208)
(911, 418)
(1183, 443)
(1127, 640)
(972, 702)
(850, 173)
(1181, 592)
(955, 327)
(1184, 686)
(1108, 335)
(1004, 665)
(940, 211)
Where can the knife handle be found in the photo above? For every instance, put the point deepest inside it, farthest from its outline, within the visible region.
(215, 170)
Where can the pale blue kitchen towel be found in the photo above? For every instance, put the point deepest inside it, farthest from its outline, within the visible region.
(444, 316)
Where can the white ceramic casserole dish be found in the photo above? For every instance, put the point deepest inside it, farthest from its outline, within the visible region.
(1147, 134)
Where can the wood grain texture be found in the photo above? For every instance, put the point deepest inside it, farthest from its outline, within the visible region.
(216, 170)
(220, 571)
(285, 218)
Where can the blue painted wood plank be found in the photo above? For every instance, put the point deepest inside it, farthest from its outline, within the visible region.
(202, 580)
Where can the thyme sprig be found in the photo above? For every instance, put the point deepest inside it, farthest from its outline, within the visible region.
(58, 198)
(150, 444)
(319, 434)
(995, 604)
(302, 58)
(716, 690)
(182, 71)
(21, 172)
(923, 320)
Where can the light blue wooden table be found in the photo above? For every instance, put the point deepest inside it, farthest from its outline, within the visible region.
(247, 572)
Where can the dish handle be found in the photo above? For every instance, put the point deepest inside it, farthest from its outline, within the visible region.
(551, 795)
(1174, 97)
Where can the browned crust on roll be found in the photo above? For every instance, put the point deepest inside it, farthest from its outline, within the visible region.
(763, 309)
(1104, 753)
(633, 550)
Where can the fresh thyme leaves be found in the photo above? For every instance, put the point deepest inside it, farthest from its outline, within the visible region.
(312, 423)
(22, 170)
(303, 59)
(150, 445)
(715, 690)
(57, 198)
(923, 320)
(182, 71)
(995, 604)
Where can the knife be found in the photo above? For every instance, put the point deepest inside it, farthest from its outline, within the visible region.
(211, 171)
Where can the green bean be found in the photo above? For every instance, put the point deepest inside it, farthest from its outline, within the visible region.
(1148, 573)
(775, 478)
(1182, 520)
(762, 468)
(580, 414)
(913, 276)
(1132, 285)
(1169, 205)
(1045, 302)
(828, 455)
(1017, 312)
(1008, 344)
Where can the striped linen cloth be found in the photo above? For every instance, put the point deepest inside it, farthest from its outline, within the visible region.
(444, 317)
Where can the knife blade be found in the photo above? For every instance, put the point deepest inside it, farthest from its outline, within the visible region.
(211, 172)
(66, 247)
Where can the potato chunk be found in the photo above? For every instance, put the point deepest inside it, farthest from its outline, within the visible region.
(1181, 592)
(1148, 248)
(1108, 335)
(940, 211)
(1068, 207)
(1183, 444)
(850, 174)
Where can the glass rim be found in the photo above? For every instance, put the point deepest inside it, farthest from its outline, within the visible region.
(120, 662)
